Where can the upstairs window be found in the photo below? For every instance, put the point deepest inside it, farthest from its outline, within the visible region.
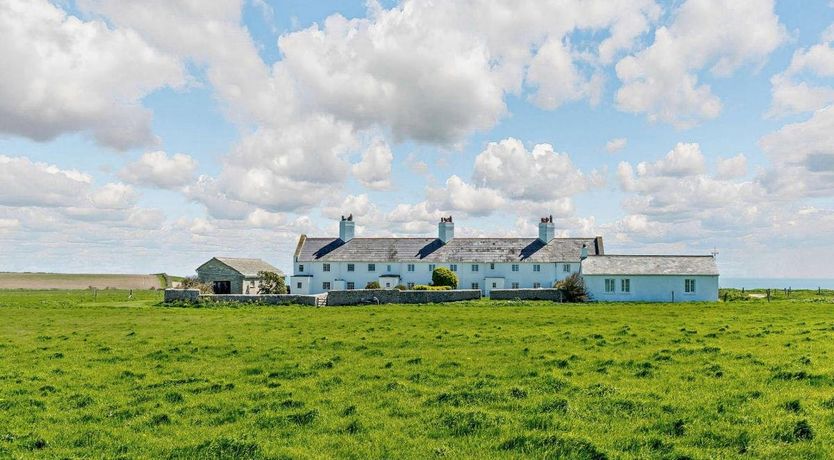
(351, 267)
(625, 285)
(492, 266)
(537, 268)
(566, 268)
(515, 267)
(432, 267)
(300, 268)
(610, 285)
(689, 286)
(325, 267)
(371, 267)
(453, 267)
(411, 267)
(388, 269)
(475, 267)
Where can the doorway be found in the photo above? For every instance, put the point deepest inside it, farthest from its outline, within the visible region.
(222, 287)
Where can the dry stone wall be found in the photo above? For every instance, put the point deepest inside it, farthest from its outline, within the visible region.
(381, 296)
(193, 295)
(554, 295)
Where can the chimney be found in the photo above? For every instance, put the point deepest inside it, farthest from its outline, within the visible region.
(583, 253)
(547, 231)
(445, 229)
(346, 226)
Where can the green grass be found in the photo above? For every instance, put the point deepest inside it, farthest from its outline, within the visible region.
(483, 379)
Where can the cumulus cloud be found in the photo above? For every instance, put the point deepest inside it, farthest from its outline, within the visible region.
(662, 80)
(615, 145)
(457, 195)
(793, 95)
(63, 75)
(374, 170)
(159, 170)
(683, 160)
(732, 167)
(27, 183)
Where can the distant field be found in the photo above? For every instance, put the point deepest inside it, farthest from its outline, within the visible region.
(479, 379)
(78, 281)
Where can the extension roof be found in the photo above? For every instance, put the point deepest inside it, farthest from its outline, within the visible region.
(457, 250)
(246, 267)
(649, 265)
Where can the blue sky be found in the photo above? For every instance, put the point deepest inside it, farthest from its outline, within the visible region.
(150, 136)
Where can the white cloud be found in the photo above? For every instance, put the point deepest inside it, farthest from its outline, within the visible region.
(732, 167)
(414, 219)
(62, 75)
(793, 95)
(113, 196)
(683, 160)
(557, 79)
(159, 170)
(662, 80)
(615, 145)
(457, 195)
(374, 170)
(26, 183)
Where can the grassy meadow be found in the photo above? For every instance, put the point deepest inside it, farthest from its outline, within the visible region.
(113, 378)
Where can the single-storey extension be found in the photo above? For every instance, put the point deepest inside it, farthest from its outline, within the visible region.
(230, 275)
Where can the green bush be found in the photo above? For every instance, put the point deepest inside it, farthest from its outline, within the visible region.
(442, 276)
(192, 282)
(373, 285)
(573, 288)
(271, 283)
(425, 287)
(400, 287)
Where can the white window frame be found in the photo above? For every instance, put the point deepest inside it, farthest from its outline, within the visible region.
(689, 286)
(537, 268)
(566, 268)
(514, 285)
(350, 285)
(492, 266)
(610, 285)
(432, 267)
(625, 285)
(410, 267)
(537, 285)
(453, 267)
(300, 268)
(371, 268)
(325, 267)
(514, 267)
(388, 269)
(475, 286)
(351, 267)
(298, 285)
(475, 268)
(325, 285)
(410, 285)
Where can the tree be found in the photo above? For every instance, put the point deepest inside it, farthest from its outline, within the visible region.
(192, 282)
(373, 285)
(442, 276)
(271, 283)
(573, 288)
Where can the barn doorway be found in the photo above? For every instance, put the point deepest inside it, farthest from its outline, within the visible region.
(222, 287)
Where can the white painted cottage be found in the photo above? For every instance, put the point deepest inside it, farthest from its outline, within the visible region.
(652, 278)
(346, 262)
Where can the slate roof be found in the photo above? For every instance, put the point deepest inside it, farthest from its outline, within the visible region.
(462, 250)
(247, 267)
(649, 265)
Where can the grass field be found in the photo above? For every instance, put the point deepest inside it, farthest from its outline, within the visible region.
(80, 281)
(485, 379)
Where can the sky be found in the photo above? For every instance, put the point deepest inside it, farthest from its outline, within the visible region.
(148, 136)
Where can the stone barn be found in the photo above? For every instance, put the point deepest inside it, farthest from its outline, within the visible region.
(228, 275)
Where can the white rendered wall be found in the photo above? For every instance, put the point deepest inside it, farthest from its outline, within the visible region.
(653, 288)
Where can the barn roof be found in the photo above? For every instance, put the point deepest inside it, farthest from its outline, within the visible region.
(649, 265)
(473, 250)
(246, 267)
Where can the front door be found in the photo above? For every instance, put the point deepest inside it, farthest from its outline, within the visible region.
(222, 287)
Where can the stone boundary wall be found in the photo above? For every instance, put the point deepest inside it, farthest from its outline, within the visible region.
(193, 295)
(554, 295)
(381, 296)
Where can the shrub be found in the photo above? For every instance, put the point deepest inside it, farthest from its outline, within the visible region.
(400, 287)
(373, 285)
(425, 287)
(192, 282)
(271, 283)
(573, 288)
(442, 276)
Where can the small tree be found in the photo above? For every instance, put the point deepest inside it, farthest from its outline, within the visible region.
(192, 282)
(442, 276)
(373, 285)
(573, 288)
(271, 283)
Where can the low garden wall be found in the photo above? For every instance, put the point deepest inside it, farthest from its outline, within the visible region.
(188, 295)
(554, 295)
(380, 296)
(193, 295)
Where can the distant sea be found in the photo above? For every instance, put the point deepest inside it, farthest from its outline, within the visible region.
(776, 283)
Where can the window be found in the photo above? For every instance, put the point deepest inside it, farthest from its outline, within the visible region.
(475, 267)
(625, 285)
(494, 285)
(566, 268)
(387, 284)
(453, 267)
(325, 285)
(514, 285)
(371, 267)
(388, 269)
(351, 267)
(300, 267)
(252, 283)
(515, 267)
(475, 286)
(537, 268)
(410, 285)
(689, 286)
(411, 267)
(325, 267)
(298, 285)
(432, 267)
(351, 285)
(609, 285)
(492, 266)
(537, 285)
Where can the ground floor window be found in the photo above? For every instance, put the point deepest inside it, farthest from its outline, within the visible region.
(298, 285)
(514, 285)
(325, 285)
(410, 285)
(537, 285)
(625, 285)
(351, 285)
(609, 285)
(475, 286)
(689, 286)
(494, 285)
